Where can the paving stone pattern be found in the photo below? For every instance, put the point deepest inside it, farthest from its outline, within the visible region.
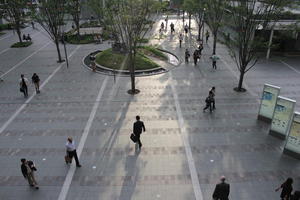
(229, 141)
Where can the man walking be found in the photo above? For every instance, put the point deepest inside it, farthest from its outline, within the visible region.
(138, 128)
(36, 81)
(71, 151)
(207, 35)
(214, 59)
(208, 102)
(213, 90)
(27, 168)
(222, 190)
(187, 55)
(180, 39)
(23, 85)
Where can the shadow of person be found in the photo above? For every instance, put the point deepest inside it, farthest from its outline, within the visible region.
(131, 177)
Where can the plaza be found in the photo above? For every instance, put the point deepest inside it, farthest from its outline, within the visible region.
(185, 150)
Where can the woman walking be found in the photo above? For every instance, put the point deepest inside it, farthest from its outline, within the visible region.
(287, 189)
(36, 81)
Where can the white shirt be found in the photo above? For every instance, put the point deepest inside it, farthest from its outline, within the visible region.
(70, 146)
(26, 81)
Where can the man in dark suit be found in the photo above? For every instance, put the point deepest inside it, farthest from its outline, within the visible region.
(222, 190)
(138, 128)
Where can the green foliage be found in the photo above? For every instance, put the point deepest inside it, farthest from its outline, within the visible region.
(82, 39)
(90, 24)
(21, 44)
(152, 51)
(5, 27)
(2, 33)
(143, 40)
(113, 60)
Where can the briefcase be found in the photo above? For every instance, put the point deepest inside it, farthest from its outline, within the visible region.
(68, 159)
(133, 138)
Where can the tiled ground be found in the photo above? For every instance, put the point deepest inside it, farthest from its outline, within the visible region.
(229, 142)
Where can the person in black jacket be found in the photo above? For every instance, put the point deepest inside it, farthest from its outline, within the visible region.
(222, 190)
(138, 128)
(27, 168)
(287, 189)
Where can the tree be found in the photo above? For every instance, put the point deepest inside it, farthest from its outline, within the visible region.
(214, 12)
(74, 9)
(194, 7)
(130, 20)
(14, 14)
(98, 6)
(247, 16)
(50, 15)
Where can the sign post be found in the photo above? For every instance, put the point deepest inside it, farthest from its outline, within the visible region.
(282, 116)
(268, 102)
(292, 145)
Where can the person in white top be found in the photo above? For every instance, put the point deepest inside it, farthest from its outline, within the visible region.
(23, 85)
(71, 151)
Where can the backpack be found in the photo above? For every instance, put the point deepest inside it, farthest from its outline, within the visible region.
(207, 100)
(31, 165)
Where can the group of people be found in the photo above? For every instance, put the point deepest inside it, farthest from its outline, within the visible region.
(196, 55)
(23, 82)
(27, 38)
(28, 167)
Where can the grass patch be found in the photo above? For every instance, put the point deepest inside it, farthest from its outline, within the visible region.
(143, 40)
(5, 27)
(152, 51)
(114, 60)
(2, 33)
(84, 39)
(20, 45)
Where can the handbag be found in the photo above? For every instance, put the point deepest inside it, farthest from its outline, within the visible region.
(133, 138)
(21, 89)
(68, 159)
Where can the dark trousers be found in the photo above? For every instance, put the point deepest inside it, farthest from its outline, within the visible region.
(195, 60)
(213, 104)
(74, 154)
(138, 141)
(180, 41)
(208, 105)
(25, 90)
(186, 59)
(214, 64)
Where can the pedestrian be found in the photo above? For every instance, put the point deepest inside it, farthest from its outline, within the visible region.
(138, 128)
(200, 48)
(222, 190)
(213, 90)
(36, 81)
(208, 102)
(23, 85)
(180, 39)
(166, 20)
(187, 55)
(195, 56)
(24, 37)
(296, 195)
(93, 66)
(207, 35)
(32, 24)
(186, 28)
(214, 59)
(71, 151)
(172, 28)
(162, 26)
(27, 169)
(287, 189)
(28, 38)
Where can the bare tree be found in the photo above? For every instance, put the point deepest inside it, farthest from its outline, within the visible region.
(215, 12)
(50, 15)
(130, 21)
(14, 14)
(247, 17)
(74, 9)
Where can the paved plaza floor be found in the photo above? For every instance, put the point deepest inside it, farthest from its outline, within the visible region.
(185, 151)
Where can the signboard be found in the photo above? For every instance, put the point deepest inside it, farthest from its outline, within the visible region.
(268, 102)
(293, 140)
(282, 116)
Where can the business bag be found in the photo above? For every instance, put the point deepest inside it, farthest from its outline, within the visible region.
(133, 138)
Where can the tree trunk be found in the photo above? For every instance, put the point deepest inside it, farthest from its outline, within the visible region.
(77, 29)
(190, 18)
(199, 26)
(132, 70)
(215, 42)
(58, 50)
(183, 17)
(18, 30)
(242, 73)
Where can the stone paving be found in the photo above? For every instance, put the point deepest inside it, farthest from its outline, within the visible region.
(98, 113)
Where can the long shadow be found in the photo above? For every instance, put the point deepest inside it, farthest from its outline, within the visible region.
(131, 177)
